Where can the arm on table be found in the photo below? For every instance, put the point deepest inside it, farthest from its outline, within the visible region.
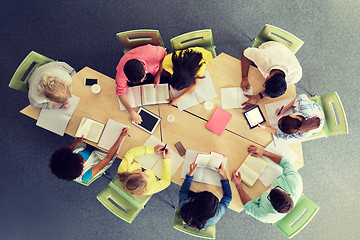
(134, 115)
(245, 64)
(258, 152)
(129, 157)
(190, 89)
(236, 179)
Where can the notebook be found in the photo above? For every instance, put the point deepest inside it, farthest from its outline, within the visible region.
(271, 108)
(251, 169)
(234, 97)
(90, 129)
(111, 133)
(218, 121)
(56, 120)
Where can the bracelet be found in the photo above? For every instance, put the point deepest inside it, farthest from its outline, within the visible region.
(261, 95)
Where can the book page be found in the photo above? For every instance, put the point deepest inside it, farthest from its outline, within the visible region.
(215, 160)
(248, 176)
(84, 127)
(187, 101)
(257, 164)
(148, 94)
(271, 108)
(206, 90)
(162, 93)
(56, 120)
(202, 160)
(233, 97)
(111, 133)
(95, 131)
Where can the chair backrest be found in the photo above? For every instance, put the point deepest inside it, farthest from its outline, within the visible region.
(298, 218)
(272, 33)
(124, 205)
(135, 38)
(19, 80)
(200, 38)
(208, 233)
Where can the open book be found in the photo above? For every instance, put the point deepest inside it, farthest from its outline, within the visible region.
(202, 174)
(146, 95)
(271, 108)
(154, 161)
(56, 120)
(234, 97)
(251, 169)
(111, 133)
(205, 91)
(91, 129)
(211, 161)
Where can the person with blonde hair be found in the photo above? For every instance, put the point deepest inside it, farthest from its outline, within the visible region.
(50, 85)
(138, 181)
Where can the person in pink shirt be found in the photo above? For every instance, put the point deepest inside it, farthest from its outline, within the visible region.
(133, 69)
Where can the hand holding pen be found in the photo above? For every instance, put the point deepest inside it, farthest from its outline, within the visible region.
(278, 111)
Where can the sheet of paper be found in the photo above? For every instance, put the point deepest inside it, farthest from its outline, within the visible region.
(154, 161)
(111, 133)
(56, 120)
(134, 96)
(271, 108)
(148, 94)
(205, 91)
(234, 97)
(205, 175)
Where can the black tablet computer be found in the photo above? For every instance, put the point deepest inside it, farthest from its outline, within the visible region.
(149, 120)
(254, 116)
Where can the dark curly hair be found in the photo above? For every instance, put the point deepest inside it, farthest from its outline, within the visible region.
(65, 164)
(186, 63)
(201, 207)
(276, 85)
(281, 201)
(134, 70)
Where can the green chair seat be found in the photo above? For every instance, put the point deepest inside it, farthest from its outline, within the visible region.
(179, 224)
(135, 38)
(298, 218)
(19, 80)
(272, 33)
(200, 38)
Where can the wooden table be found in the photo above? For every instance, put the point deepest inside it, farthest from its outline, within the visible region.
(189, 125)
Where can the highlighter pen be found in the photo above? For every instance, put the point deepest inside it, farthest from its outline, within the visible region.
(162, 149)
(280, 110)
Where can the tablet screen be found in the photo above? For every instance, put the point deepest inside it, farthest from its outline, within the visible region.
(149, 120)
(254, 116)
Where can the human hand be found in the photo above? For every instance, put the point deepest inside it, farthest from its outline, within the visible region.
(262, 126)
(166, 153)
(136, 117)
(78, 140)
(193, 167)
(253, 99)
(236, 178)
(277, 112)
(156, 81)
(66, 105)
(173, 101)
(245, 84)
(222, 172)
(124, 132)
(255, 151)
(158, 148)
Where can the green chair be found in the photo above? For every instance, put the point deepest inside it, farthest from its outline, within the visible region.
(135, 38)
(200, 38)
(335, 118)
(298, 218)
(121, 203)
(179, 224)
(272, 33)
(19, 81)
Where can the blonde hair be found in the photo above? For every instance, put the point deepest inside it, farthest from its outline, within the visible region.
(54, 89)
(133, 183)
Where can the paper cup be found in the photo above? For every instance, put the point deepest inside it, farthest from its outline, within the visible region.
(208, 105)
(95, 88)
(170, 118)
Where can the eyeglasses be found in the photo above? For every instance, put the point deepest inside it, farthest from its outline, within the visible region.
(268, 196)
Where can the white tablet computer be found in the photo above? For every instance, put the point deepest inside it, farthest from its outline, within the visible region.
(149, 120)
(254, 116)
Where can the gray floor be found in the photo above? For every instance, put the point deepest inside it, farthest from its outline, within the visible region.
(36, 205)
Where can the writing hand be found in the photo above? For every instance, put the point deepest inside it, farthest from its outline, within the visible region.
(124, 132)
(245, 84)
(166, 153)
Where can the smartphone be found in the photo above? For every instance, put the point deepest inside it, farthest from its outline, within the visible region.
(90, 81)
(180, 148)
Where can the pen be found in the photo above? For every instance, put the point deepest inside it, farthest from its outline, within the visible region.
(129, 135)
(162, 149)
(61, 106)
(280, 110)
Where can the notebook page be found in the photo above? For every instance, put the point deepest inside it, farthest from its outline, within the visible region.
(111, 133)
(271, 108)
(206, 90)
(233, 97)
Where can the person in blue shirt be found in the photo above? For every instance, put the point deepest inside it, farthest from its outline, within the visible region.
(81, 163)
(203, 209)
(272, 206)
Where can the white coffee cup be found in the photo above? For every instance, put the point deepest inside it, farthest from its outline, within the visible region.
(95, 88)
(208, 105)
(170, 118)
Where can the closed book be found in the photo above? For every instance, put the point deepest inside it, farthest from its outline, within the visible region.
(218, 121)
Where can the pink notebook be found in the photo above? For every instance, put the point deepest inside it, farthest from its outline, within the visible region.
(218, 121)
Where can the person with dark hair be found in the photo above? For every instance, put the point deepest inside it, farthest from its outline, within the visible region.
(272, 206)
(141, 65)
(187, 69)
(139, 181)
(203, 209)
(81, 163)
(277, 63)
(307, 118)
